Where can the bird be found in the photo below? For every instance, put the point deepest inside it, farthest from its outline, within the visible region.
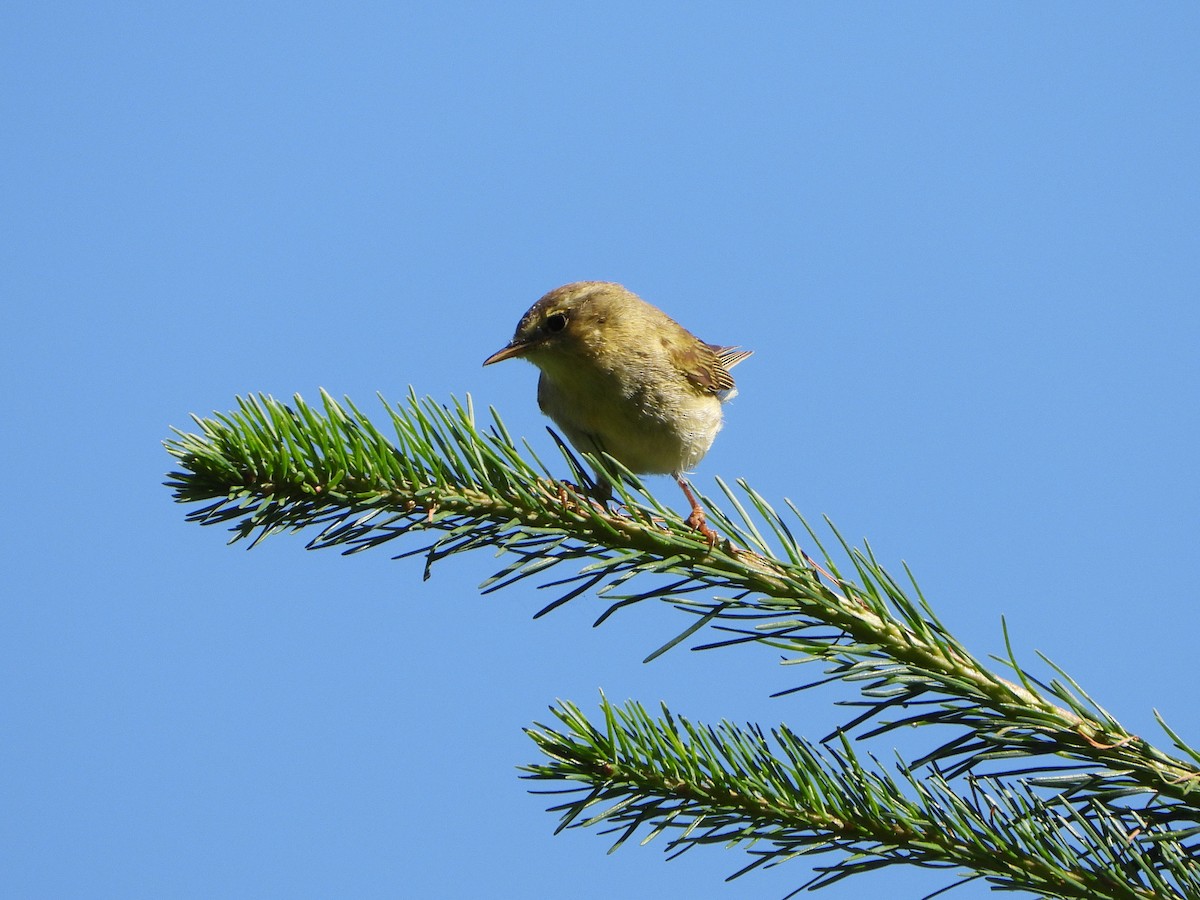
(620, 376)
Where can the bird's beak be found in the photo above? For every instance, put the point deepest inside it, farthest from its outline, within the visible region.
(512, 350)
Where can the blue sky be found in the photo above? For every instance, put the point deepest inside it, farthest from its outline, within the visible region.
(963, 240)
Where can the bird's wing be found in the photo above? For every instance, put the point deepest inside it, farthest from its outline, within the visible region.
(707, 365)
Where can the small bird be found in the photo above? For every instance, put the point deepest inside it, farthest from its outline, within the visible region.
(621, 376)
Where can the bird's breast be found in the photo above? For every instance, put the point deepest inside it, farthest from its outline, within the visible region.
(651, 424)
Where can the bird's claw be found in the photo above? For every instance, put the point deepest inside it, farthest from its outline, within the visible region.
(697, 522)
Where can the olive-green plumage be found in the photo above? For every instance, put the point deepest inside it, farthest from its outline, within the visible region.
(620, 375)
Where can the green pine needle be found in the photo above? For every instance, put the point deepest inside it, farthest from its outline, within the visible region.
(1033, 786)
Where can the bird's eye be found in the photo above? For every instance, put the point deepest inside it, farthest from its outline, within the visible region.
(556, 323)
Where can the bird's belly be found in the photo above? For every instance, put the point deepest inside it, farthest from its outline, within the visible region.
(648, 434)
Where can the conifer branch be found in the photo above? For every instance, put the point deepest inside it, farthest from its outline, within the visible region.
(1081, 781)
(727, 785)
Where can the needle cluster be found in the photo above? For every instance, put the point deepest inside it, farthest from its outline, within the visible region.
(1027, 783)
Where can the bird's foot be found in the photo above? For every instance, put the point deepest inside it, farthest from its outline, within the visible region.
(696, 521)
(570, 495)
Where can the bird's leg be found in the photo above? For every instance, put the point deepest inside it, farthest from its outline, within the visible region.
(696, 520)
(601, 490)
(598, 493)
